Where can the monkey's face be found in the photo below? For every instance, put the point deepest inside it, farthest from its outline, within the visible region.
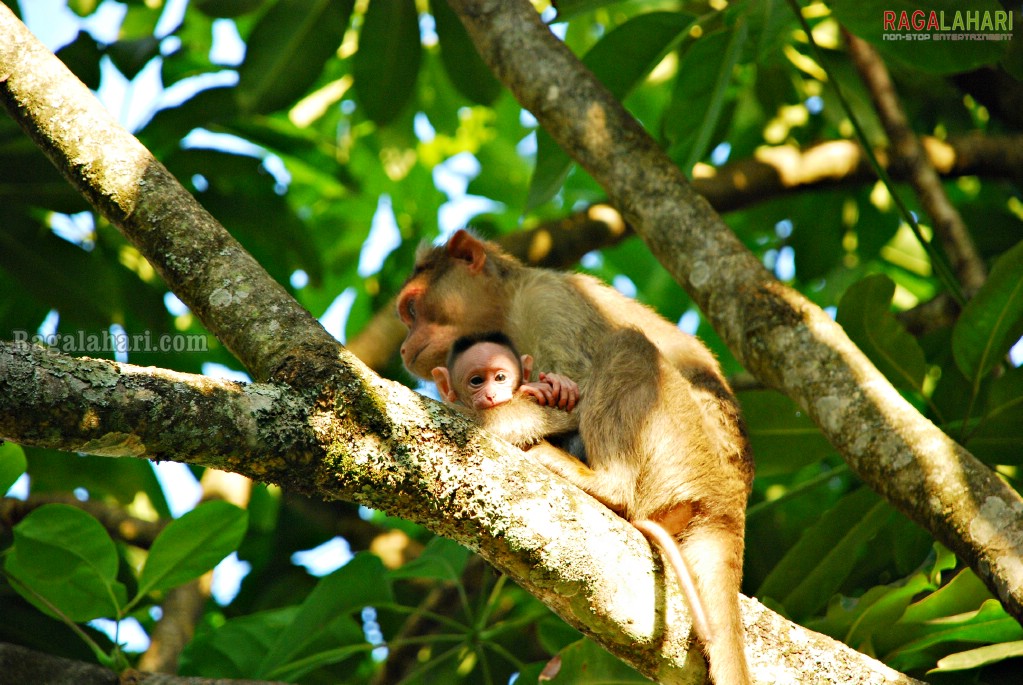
(448, 296)
(486, 375)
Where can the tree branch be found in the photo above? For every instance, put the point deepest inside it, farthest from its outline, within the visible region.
(948, 224)
(392, 449)
(779, 335)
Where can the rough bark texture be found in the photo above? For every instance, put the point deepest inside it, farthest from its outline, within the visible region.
(777, 333)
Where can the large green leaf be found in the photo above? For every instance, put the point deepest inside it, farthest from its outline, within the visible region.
(696, 111)
(992, 321)
(865, 315)
(287, 50)
(813, 570)
(82, 56)
(856, 621)
(387, 63)
(65, 563)
(234, 649)
(988, 624)
(585, 663)
(359, 583)
(982, 656)
(192, 545)
(621, 60)
(998, 438)
(53, 271)
(442, 559)
(462, 63)
(783, 437)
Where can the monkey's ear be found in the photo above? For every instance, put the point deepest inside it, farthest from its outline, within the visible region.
(527, 368)
(468, 248)
(443, 380)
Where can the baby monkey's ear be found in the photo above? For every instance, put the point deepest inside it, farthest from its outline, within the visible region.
(444, 386)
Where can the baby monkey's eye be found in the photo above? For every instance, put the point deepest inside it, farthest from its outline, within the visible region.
(475, 381)
(501, 377)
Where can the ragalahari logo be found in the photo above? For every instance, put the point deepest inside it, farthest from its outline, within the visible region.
(942, 25)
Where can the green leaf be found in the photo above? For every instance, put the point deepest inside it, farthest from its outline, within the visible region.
(359, 583)
(992, 321)
(815, 567)
(387, 63)
(192, 545)
(989, 624)
(464, 66)
(12, 465)
(783, 437)
(695, 110)
(82, 56)
(584, 662)
(982, 656)
(865, 315)
(65, 563)
(52, 270)
(234, 649)
(621, 60)
(857, 621)
(287, 50)
(998, 439)
(131, 56)
(723, 56)
(442, 559)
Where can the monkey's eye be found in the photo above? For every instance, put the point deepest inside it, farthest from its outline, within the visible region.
(475, 381)
(501, 377)
(410, 309)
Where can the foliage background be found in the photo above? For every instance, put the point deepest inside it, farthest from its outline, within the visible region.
(359, 114)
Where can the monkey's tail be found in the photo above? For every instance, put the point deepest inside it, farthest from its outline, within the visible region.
(669, 547)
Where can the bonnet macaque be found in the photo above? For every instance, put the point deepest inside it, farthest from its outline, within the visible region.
(487, 378)
(486, 370)
(665, 444)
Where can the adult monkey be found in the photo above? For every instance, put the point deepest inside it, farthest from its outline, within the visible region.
(666, 447)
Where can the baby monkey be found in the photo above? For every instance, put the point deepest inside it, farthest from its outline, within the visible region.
(487, 379)
(485, 370)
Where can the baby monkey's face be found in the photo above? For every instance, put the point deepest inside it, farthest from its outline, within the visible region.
(486, 375)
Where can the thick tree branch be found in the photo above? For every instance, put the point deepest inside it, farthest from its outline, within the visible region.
(948, 224)
(130, 411)
(777, 333)
(395, 450)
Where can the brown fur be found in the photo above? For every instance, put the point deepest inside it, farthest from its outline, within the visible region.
(664, 439)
